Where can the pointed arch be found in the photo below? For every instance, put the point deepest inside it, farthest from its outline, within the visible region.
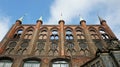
(54, 33)
(103, 33)
(69, 33)
(93, 33)
(79, 33)
(29, 32)
(43, 33)
(18, 32)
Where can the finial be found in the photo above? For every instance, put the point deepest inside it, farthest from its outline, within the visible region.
(21, 18)
(81, 18)
(40, 18)
(101, 20)
(61, 17)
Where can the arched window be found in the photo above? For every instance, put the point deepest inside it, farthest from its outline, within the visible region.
(60, 63)
(18, 33)
(84, 49)
(28, 34)
(31, 63)
(93, 34)
(23, 48)
(10, 47)
(5, 62)
(104, 35)
(69, 35)
(80, 34)
(40, 48)
(54, 35)
(43, 34)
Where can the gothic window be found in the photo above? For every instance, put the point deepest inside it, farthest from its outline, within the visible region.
(69, 35)
(18, 33)
(93, 34)
(43, 34)
(28, 34)
(80, 34)
(10, 47)
(54, 35)
(31, 63)
(40, 47)
(83, 46)
(60, 64)
(104, 35)
(70, 50)
(53, 48)
(5, 63)
(84, 49)
(23, 48)
(70, 46)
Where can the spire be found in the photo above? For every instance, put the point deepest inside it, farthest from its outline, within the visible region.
(21, 18)
(81, 19)
(101, 20)
(61, 17)
(40, 18)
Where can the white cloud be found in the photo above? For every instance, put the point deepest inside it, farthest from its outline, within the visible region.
(4, 26)
(71, 9)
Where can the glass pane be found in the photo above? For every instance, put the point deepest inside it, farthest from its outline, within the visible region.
(64, 65)
(31, 64)
(60, 64)
(5, 63)
(56, 65)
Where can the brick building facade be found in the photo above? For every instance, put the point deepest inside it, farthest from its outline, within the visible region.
(29, 45)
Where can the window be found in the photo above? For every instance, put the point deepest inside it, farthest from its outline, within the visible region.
(54, 35)
(28, 34)
(93, 34)
(23, 48)
(5, 63)
(80, 34)
(10, 47)
(69, 35)
(60, 64)
(31, 63)
(18, 33)
(104, 35)
(43, 34)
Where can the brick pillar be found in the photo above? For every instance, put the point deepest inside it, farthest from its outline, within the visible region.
(17, 62)
(91, 45)
(34, 38)
(62, 41)
(9, 35)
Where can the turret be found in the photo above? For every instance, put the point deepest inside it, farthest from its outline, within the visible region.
(102, 21)
(82, 22)
(39, 22)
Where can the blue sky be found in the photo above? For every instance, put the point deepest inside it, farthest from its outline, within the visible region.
(50, 10)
